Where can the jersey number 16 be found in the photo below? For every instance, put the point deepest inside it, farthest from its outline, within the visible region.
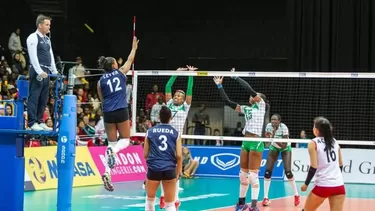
(331, 155)
(116, 81)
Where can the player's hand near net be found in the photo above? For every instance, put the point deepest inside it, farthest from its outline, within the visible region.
(218, 79)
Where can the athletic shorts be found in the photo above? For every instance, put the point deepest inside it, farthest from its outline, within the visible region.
(325, 192)
(287, 149)
(161, 175)
(256, 146)
(117, 116)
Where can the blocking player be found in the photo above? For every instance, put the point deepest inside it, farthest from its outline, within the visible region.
(180, 106)
(326, 163)
(163, 151)
(277, 129)
(251, 152)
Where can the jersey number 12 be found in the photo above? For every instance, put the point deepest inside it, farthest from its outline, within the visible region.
(116, 81)
(331, 155)
(163, 145)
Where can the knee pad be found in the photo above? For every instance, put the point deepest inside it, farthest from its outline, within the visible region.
(268, 174)
(244, 178)
(253, 178)
(289, 174)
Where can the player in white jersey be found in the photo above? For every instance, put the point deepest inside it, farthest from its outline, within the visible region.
(277, 129)
(179, 106)
(326, 163)
(251, 152)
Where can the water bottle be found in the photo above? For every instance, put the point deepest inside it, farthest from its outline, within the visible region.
(39, 77)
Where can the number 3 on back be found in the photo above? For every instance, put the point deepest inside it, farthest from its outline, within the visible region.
(114, 80)
(163, 145)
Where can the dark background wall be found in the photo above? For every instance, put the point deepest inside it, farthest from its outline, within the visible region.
(268, 35)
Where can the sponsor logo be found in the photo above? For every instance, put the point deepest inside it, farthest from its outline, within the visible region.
(37, 170)
(225, 161)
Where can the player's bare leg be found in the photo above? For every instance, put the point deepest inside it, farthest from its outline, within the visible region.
(287, 160)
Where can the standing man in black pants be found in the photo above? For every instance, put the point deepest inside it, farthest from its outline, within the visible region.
(42, 63)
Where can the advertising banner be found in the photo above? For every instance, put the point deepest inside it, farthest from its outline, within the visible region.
(359, 165)
(41, 166)
(225, 162)
(130, 163)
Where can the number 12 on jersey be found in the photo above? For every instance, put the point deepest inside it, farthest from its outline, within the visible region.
(117, 83)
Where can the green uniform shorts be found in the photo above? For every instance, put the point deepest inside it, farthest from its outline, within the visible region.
(248, 146)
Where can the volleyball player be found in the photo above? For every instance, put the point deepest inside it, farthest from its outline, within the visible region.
(112, 93)
(276, 129)
(180, 106)
(326, 163)
(163, 151)
(251, 152)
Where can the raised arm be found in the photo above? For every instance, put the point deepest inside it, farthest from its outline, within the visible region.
(189, 92)
(218, 81)
(168, 87)
(126, 67)
(244, 84)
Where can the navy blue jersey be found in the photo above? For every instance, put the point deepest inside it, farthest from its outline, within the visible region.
(113, 87)
(162, 141)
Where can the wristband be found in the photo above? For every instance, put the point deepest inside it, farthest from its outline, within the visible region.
(219, 86)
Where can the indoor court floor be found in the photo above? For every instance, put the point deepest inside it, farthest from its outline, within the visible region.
(198, 194)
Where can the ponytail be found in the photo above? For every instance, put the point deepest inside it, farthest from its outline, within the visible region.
(325, 130)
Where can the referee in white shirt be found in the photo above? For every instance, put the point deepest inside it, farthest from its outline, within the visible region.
(42, 63)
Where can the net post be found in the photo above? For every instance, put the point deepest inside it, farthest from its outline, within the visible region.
(12, 154)
(134, 103)
(66, 148)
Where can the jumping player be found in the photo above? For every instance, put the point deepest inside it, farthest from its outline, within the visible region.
(180, 106)
(163, 151)
(326, 163)
(112, 93)
(251, 152)
(276, 129)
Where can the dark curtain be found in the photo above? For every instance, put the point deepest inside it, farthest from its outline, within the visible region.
(331, 35)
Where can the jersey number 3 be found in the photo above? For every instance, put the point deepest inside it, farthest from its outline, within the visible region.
(116, 81)
(163, 145)
(331, 155)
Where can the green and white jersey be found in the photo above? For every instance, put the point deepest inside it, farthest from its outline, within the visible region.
(254, 116)
(279, 133)
(179, 115)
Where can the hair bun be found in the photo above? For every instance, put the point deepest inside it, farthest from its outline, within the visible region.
(101, 61)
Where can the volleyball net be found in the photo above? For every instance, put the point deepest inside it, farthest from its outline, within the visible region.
(346, 99)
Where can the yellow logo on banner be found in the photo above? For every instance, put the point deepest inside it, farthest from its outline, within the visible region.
(41, 164)
(202, 73)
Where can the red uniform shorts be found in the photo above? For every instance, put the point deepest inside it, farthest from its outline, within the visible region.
(326, 192)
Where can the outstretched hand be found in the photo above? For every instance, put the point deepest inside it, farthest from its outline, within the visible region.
(191, 68)
(232, 71)
(135, 43)
(218, 80)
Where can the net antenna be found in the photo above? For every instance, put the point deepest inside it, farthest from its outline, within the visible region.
(298, 97)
